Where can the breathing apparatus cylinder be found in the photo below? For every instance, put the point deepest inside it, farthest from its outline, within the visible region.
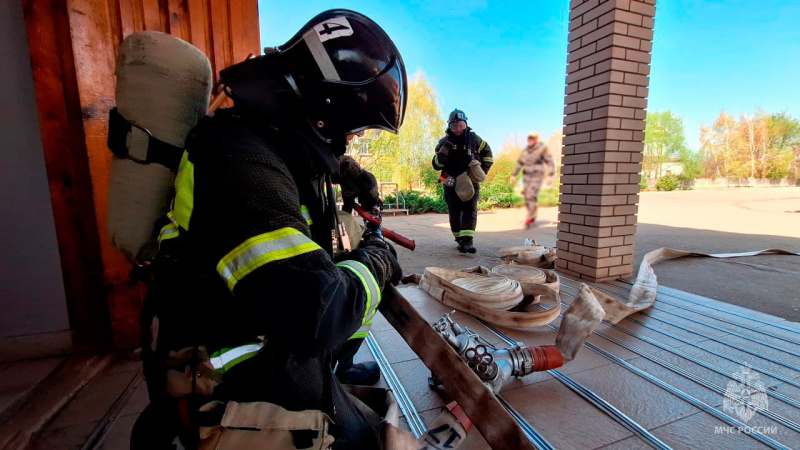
(163, 89)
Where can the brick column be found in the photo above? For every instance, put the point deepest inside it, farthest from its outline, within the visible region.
(608, 63)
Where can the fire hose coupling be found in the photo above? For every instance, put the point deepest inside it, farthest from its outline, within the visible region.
(492, 365)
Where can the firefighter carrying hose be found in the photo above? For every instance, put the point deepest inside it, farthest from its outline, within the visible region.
(535, 161)
(248, 304)
(464, 159)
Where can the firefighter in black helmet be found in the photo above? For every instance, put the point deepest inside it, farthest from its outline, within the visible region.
(249, 304)
(455, 153)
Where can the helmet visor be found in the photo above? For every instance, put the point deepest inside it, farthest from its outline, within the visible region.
(458, 126)
(379, 102)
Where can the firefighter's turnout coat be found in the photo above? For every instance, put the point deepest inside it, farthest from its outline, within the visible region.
(253, 281)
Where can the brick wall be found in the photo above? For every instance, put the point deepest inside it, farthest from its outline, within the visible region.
(607, 78)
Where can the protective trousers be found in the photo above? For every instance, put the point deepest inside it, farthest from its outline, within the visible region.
(532, 184)
(463, 214)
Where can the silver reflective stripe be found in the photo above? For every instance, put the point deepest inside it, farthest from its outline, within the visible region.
(262, 249)
(225, 360)
(371, 286)
(321, 56)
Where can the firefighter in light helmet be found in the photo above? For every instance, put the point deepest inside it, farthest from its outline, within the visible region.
(459, 155)
(248, 287)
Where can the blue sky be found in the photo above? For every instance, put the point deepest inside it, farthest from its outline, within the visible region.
(503, 62)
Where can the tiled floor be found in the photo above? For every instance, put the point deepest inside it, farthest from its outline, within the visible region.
(559, 414)
(567, 420)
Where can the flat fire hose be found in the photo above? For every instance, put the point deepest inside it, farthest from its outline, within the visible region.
(481, 406)
(645, 288)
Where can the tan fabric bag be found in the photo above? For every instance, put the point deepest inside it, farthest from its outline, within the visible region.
(476, 172)
(464, 188)
(264, 426)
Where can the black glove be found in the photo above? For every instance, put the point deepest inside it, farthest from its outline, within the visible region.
(356, 183)
(380, 257)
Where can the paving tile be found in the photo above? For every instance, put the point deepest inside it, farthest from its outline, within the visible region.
(758, 347)
(127, 362)
(724, 364)
(679, 381)
(394, 347)
(19, 377)
(697, 431)
(700, 312)
(657, 335)
(740, 310)
(786, 388)
(744, 358)
(379, 323)
(642, 401)
(93, 401)
(119, 436)
(563, 418)
(631, 443)
(677, 325)
(64, 438)
(363, 354)
(414, 376)
(787, 334)
(138, 400)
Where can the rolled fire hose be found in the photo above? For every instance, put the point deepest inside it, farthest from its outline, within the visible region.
(490, 298)
(535, 256)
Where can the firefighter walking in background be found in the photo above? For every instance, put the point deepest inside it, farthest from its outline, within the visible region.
(250, 311)
(537, 166)
(464, 159)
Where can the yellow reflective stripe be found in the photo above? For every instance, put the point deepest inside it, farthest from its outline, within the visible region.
(370, 285)
(306, 214)
(483, 145)
(488, 159)
(436, 161)
(225, 359)
(456, 233)
(184, 192)
(467, 233)
(170, 230)
(262, 249)
(361, 333)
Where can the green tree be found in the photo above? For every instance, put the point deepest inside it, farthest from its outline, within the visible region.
(405, 158)
(759, 146)
(664, 141)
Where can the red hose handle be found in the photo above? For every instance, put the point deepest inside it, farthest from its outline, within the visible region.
(398, 239)
(387, 233)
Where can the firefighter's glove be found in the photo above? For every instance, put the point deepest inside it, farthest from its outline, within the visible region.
(356, 183)
(380, 258)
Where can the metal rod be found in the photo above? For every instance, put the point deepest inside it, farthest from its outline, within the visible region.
(537, 439)
(688, 398)
(684, 396)
(708, 336)
(662, 301)
(715, 339)
(415, 422)
(611, 410)
(669, 294)
(701, 381)
(692, 358)
(594, 399)
(775, 375)
(714, 327)
(743, 326)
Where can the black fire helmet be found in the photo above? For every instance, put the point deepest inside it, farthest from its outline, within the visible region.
(344, 69)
